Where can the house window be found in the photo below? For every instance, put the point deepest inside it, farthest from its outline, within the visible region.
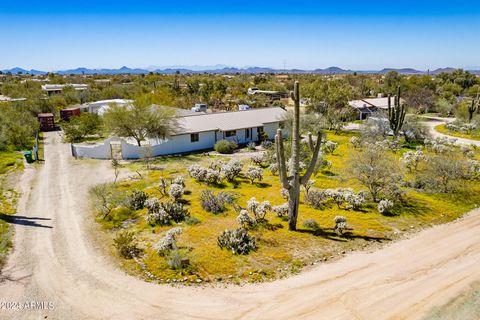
(247, 133)
(194, 137)
(230, 133)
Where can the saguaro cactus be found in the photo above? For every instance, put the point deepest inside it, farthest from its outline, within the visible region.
(473, 107)
(292, 180)
(396, 114)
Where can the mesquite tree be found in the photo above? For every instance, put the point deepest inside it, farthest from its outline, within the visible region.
(473, 107)
(396, 114)
(292, 180)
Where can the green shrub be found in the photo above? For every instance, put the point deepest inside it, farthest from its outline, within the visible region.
(191, 221)
(311, 224)
(239, 241)
(137, 200)
(225, 146)
(126, 244)
(81, 126)
(120, 214)
(177, 259)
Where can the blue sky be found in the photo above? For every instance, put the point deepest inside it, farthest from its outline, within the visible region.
(52, 35)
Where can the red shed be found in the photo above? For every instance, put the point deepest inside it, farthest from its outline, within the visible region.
(47, 121)
(67, 113)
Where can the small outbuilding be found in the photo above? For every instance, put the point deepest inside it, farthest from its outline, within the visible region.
(47, 121)
(66, 114)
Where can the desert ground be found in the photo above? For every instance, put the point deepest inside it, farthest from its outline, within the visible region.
(55, 260)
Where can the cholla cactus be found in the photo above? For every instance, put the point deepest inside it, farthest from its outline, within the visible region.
(330, 147)
(176, 191)
(152, 204)
(179, 180)
(244, 219)
(339, 196)
(257, 159)
(273, 168)
(157, 217)
(254, 173)
(281, 210)
(386, 144)
(355, 201)
(440, 144)
(212, 176)
(384, 206)
(162, 186)
(137, 200)
(155, 212)
(258, 209)
(232, 169)
(197, 172)
(168, 242)
(411, 159)
(217, 165)
(340, 224)
(239, 241)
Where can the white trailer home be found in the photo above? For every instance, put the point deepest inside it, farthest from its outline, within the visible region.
(201, 132)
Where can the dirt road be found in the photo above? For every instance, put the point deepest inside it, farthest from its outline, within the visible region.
(55, 262)
(436, 121)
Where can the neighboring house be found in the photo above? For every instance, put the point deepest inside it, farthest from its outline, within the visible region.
(57, 88)
(202, 131)
(272, 95)
(100, 107)
(367, 107)
(8, 99)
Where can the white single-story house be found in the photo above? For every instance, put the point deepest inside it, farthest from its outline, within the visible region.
(57, 88)
(99, 107)
(202, 131)
(366, 107)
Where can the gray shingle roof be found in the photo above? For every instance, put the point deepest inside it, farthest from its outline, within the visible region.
(225, 121)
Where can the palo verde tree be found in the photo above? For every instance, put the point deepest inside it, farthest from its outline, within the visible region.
(396, 114)
(140, 120)
(292, 180)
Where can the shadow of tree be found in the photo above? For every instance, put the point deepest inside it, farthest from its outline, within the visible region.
(329, 233)
(24, 221)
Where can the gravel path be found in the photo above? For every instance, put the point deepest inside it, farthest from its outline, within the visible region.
(54, 261)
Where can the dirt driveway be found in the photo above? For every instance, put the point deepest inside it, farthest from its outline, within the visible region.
(55, 262)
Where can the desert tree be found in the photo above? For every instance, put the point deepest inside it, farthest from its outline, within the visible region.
(140, 121)
(375, 170)
(292, 180)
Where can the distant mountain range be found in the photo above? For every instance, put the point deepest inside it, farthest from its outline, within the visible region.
(222, 69)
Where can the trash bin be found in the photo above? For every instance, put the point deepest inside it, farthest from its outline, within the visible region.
(28, 156)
